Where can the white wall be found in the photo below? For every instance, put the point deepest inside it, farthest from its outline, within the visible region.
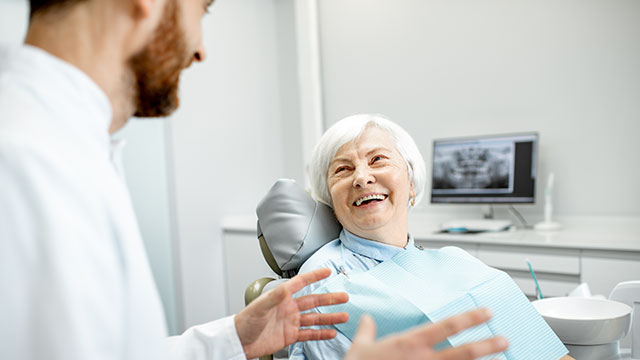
(14, 17)
(227, 138)
(288, 85)
(567, 69)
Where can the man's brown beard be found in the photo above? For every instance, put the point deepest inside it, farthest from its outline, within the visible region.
(157, 67)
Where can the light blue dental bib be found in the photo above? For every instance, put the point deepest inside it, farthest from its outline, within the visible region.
(416, 287)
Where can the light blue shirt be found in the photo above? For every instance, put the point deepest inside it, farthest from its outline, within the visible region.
(353, 254)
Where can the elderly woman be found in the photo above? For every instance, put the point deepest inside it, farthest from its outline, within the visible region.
(370, 171)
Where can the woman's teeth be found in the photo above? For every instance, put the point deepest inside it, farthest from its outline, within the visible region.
(369, 197)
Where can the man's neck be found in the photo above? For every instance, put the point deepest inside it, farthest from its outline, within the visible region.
(94, 50)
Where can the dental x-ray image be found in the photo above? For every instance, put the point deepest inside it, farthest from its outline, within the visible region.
(477, 167)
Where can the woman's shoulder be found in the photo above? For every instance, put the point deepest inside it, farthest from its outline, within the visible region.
(325, 257)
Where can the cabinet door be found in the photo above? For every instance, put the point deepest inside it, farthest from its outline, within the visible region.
(550, 287)
(557, 270)
(602, 273)
(553, 263)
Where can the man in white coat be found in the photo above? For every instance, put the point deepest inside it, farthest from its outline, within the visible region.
(74, 277)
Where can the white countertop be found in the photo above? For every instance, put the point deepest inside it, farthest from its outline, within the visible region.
(584, 232)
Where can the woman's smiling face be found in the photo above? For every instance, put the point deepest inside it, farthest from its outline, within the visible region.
(370, 188)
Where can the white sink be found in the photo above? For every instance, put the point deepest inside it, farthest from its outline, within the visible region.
(585, 321)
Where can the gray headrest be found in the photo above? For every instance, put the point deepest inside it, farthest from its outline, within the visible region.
(293, 226)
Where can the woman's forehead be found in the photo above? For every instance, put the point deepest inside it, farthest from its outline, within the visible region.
(371, 140)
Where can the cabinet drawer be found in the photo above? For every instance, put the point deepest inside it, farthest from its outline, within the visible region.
(548, 263)
(549, 288)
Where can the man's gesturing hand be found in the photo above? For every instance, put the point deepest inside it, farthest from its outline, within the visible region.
(418, 343)
(273, 320)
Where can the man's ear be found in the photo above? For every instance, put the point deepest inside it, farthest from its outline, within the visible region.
(143, 8)
(143, 16)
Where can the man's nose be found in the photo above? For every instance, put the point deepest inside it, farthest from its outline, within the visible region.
(363, 177)
(200, 53)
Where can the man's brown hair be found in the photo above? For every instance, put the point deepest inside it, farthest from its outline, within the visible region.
(41, 6)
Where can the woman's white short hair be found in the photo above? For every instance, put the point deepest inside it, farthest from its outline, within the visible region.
(347, 130)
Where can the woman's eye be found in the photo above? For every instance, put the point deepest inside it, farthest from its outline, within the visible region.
(341, 169)
(376, 159)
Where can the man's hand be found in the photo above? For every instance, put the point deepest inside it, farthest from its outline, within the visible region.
(273, 320)
(418, 343)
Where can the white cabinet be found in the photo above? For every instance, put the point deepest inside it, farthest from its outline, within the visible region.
(542, 261)
(603, 271)
(558, 269)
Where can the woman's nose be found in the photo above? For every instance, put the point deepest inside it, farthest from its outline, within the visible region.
(362, 178)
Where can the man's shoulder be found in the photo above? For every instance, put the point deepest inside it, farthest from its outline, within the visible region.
(22, 112)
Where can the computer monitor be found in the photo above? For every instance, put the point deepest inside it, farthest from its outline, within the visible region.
(494, 169)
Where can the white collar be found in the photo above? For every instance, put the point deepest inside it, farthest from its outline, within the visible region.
(370, 248)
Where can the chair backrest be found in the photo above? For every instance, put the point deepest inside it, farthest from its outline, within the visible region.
(292, 226)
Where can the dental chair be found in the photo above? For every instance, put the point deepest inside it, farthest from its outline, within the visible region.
(291, 227)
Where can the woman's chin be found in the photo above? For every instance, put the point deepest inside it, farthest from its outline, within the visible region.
(373, 225)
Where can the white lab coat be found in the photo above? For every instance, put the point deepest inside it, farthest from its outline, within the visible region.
(75, 282)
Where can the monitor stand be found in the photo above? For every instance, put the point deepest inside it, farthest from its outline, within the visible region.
(488, 223)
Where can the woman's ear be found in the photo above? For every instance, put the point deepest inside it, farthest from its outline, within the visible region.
(412, 195)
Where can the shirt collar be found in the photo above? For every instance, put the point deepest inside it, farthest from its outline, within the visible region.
(369, 248)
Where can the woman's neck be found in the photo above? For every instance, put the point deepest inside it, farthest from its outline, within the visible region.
(394, 237)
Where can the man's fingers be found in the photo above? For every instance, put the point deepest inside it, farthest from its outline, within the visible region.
(323, 319)
(311, 301)
(316, 334)
(299, 281)
(437, 332)
(366, 333)
(269, 299)
(475, 350)
(275, 296)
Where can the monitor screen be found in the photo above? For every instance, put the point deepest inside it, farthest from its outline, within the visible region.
(485, 169)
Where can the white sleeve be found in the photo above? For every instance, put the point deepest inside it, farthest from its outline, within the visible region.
(215, 340)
